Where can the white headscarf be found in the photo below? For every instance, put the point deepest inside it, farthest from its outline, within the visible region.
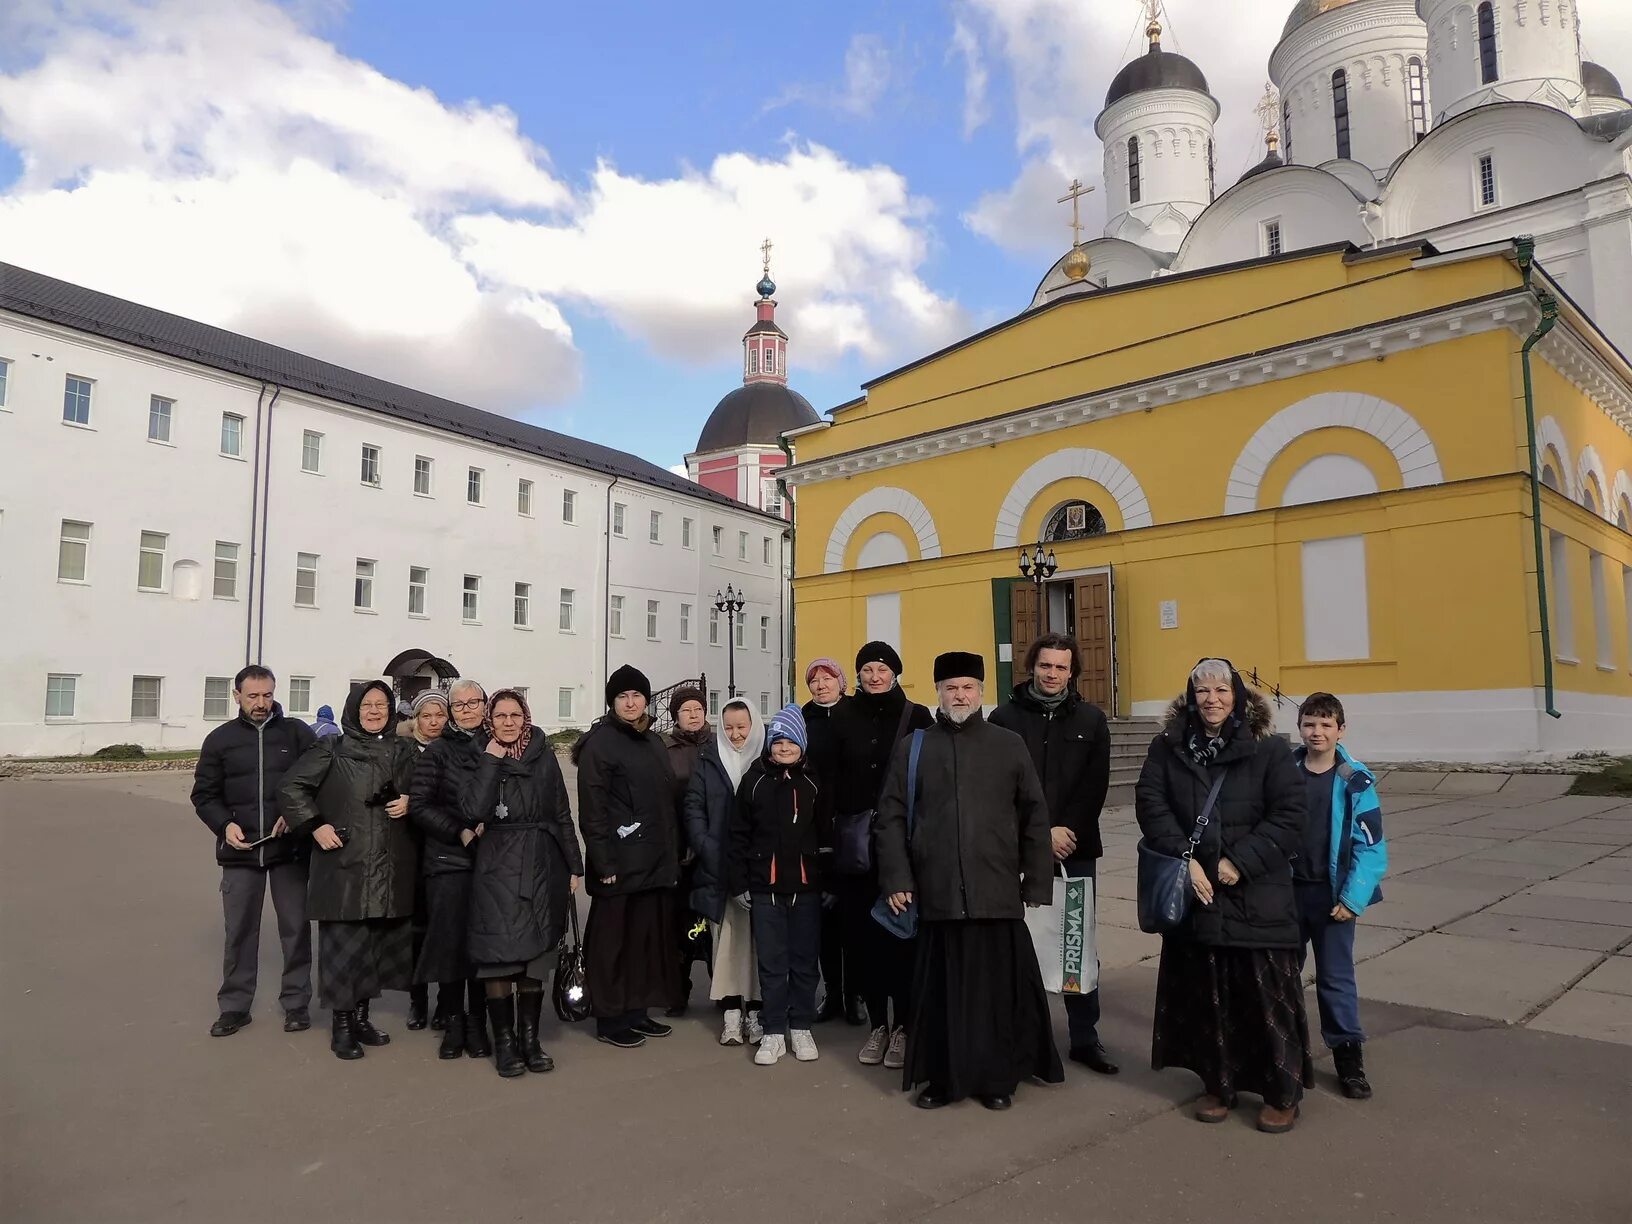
(737, 760)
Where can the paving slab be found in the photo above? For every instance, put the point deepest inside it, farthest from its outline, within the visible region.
(1591, 1014)
(1452, 875)
(1474, 977)
(1119, 947)
(1397, 801)
(1586, 890)
(1569, 909)
(1117, 912)
(1417, 850)
(1422, 907)
(1532, 788)
(1411, 782)
(1563, 856)
(1516, 928)
(1484, 864)
(1614, 976)
(1371, 941)
(1604, 871)
(1594, 831)
(1471, 784)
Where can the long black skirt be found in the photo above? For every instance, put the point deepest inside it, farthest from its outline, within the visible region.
(442, 954)
(357, 960)
(1235, 1017)
(980, 1022)
(629, 955)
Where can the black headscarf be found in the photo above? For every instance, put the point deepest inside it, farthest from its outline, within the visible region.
(1202, 745)
(351, 722)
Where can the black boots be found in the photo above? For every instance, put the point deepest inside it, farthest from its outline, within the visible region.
(418, 997)
(529, 1006)
(855, 1012)
(341, 1039)
(1351, 1071)
(506, 1057)
(453, 1035)
(364, 1031)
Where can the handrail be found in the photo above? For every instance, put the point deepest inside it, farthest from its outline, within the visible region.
(1267, 687)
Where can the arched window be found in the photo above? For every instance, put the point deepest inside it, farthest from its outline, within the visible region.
(1075, 520)
(1340, 110)
(1133, 169)
(1286, 127)
(1212, 174)
(1417, 90)
(1487, 43)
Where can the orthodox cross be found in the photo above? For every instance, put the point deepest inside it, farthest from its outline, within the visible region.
(1268, 111)
(1075, 193)
(765, 250)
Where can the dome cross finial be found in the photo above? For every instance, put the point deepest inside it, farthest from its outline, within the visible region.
(765, 250)
(766, 285)
(1153, 23)
(1268, 111)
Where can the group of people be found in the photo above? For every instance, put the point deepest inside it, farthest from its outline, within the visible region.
(862, 841)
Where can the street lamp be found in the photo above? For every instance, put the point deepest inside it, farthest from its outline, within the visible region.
(732, 604)
(1036, 566)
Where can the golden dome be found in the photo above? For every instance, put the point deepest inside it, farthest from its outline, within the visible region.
(1077, 263)
(1307, 10)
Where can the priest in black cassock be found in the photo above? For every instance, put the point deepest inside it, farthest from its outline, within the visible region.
(978, 853)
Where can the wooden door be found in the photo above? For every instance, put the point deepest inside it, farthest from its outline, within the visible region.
(1025, 627)
(1094, 632)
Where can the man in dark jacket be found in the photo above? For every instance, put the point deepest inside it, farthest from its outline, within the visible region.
(976, 854)
(235, 788)
(1070, 744)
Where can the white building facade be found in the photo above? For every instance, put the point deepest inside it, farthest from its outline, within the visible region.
(176, 501)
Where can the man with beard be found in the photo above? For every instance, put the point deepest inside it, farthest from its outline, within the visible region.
(977, 854)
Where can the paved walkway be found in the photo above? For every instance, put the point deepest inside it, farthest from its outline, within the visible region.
(115, 1105)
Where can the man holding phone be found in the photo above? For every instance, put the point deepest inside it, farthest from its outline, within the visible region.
(235, 786)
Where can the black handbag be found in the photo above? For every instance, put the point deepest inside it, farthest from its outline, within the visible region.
(853, 832)
(571, 994)
(1164, 881)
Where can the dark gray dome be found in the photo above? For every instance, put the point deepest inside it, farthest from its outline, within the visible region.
(1156, 69)
(1600, 81)
(755, 415)
(1272, 161)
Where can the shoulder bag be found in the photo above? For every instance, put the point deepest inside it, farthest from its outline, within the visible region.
(1164, 881)
(853, 831)
(905, 924)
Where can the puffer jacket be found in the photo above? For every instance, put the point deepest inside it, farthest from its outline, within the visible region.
(1071, 747)
(779, 828)
(240, 768)
(443, 775)
(374, 872)
(626, 808)
(519, 893)
(710, 800)
(1257, 823)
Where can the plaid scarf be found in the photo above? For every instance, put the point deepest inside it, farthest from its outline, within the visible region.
(513, 751)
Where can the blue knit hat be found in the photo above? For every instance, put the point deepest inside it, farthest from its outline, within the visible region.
(787, 723)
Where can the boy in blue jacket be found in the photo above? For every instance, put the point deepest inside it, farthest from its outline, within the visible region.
(1336, 873)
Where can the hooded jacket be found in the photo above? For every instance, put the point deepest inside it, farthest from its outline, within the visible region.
(1257, 822)
(325, 725)
(339, 782)
(779, 828)
(709, 807)
(240, 768)
(443, 774)
(1359, 854)
(865, 732)
(626, 808)
(1071, 747)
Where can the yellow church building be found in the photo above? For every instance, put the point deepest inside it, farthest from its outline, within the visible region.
(1318, 465)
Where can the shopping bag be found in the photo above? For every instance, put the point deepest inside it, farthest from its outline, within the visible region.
(1063, 935)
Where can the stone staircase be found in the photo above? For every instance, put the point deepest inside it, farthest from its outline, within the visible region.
(1130, 741)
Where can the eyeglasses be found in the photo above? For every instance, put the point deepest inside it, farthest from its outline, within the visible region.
(508, 717)
(469, 705)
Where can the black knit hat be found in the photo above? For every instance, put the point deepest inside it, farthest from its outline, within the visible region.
(879, 652)
(627, 679)
(683, 695)
(960, 664)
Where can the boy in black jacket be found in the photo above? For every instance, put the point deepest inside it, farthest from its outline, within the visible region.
(778, 833)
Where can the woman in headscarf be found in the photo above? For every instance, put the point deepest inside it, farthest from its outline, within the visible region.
(685, 743)
(429, 715)
(1229, 997)
(446, 771)
(626, 811)
(527, 868)
(826, 681)
(349, 793)
(710, 802)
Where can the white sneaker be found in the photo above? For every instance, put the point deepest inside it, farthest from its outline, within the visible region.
(731, 1034)
(755, 1029)
(896, 1056)
(804, 1045)
(770, 1050)
(873, 1052)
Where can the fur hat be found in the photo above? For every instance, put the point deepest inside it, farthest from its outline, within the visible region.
(960, 664)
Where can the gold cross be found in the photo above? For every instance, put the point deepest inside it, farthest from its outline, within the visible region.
(1268, 109)
(765, 250)
(1074, 193)
(1153, 20)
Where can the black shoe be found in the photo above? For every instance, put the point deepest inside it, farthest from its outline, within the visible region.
(675, 1012)
(626, 1040)
(650, 1028)
(1351, 1071)
(855, 1011)
(297, 1020)
(930, 1098)
(529, 1006)
(439, 1017)
(506, 1056)
(1095, 1058)
(363, 1029)
(831, 1009)
(476, 1042)
(1001, 1101)
(228, 1023)
(453, 1035)
(418, 997)
(341, 1039)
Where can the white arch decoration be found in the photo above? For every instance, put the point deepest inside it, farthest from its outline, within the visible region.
(1549, 434)
(1390, 424)
(1621, 495)
(885, 500)
(1094, 465)
(1589, 464)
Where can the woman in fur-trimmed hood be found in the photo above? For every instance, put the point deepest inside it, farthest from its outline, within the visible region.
(1229, 999)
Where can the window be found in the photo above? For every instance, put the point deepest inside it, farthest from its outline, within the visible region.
(1340, 110)
(300, 694)
(765, 550)
(145, 695)
(563, 703)
(1212, 173)
(569, 598)
(1558, 593)
(73, 551)
(473, 486)
(1133, 169)
(1286, 127)
(1487, 179)
(1487, 43)
(614, 616)
(764, 633)
(76, 400)
(1416, 88)
(753, 361)
(60, 692)
(764, 705)
(371, 466)
(1336, 615)
(150, 564)
(1272, 237)
(713, 626)
(685, 622)
(651, 620)
(569, 506)
(311, 451)
(5, 380)
(719, 540)
(158, 419)
(422, 475)
(232, 435)
(305, 580)
(217, 697)
(741, 630)
(523, 605)
(770, 495)
(713, 703)
(524, 497)
(688, 533)
(363, 592)
(226, 570)
(1600, 611)
(654, 533)
(618, 510)
(418, 579)
(471, 606)
(742, 546)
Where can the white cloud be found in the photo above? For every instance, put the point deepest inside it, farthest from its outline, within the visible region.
(867, 75)
(976, 76)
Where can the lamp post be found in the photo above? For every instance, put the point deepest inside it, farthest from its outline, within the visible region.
(732, 604)
(1037, 566)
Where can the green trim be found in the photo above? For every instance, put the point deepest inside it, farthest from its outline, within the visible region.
(1002, 630)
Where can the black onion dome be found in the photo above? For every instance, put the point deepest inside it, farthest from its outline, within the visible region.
(1272, 161)
(1600, 81)
(1156, 69)
(755, 415)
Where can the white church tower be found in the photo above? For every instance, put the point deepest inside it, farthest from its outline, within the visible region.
(1504, 51)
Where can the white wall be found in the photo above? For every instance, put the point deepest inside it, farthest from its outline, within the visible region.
(1174, 127)
(1538, 55)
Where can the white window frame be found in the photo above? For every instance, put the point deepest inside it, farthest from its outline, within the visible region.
(563, 703)
(475, 480)
(620, 514)
(764, 705)
(713, 703)
(688, 533)
(654, 612)
(765, 550)
(614, 616)
(160, 409)
(226, 419)
(367, 457)
(713, 626)
(223, 710)
(72, 689)
(311, 448)
(685, 623)
(524, 497)
(419, 581)
(299, 704)
(362, 587)
(742, 546)
(741, 623)
(470, 600)
(83, 543)
(765, 633)
(654, 532)
(231, 561)
(158, 700)
(521, 611)
(89, 404)
(306, 569)
(5, 381)
(566, 610)
(1480, 160)
(424, 466)
(569, 505)
(770, 495)
(144, 550)
(1271, 237)
(719, 541)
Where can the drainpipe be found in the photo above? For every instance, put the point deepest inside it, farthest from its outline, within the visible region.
(790, 641)
(254, 519)
(606, 593)
(266, 520)
(1548, 305)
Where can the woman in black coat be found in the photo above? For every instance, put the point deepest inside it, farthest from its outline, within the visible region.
(527, 868)
(1229, 997)
(349, 792)
(626, 811)
(685, 742)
